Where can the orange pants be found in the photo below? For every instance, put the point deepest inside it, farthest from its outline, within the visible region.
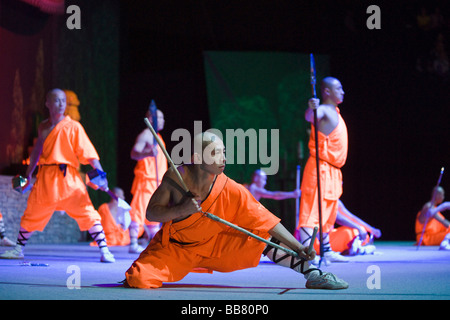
(435, 232)
(170, 263)
(115, 235)
(340, 239)
(77, 205)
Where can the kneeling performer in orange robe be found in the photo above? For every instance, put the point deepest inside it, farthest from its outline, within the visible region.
(189, 241)
(61, 145)
(437, 229)
(115, 233)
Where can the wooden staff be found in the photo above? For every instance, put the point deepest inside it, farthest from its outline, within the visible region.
(210, 215)
(316, 136)
(153, 112)
(297, 200)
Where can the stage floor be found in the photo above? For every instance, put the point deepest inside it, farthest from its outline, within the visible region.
(396, 271)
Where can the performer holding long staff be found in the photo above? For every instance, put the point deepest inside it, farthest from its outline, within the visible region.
(322, 177)
(193, 238)
(432, 204)
(316, 135)
(209, 215)
(150, 167)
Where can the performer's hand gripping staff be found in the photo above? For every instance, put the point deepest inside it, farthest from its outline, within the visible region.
(96, 179)
(432, 203)
(212, 216)
(316, 135)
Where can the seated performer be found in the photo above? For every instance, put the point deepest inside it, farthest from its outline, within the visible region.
(257, 188)
(189, 240)
(4, 241)
(61, 145)
(115, 234)
(437, 230)
(353, 237)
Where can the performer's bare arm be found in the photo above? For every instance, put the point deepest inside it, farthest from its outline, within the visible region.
(340, 219)
(144, 146)
(276, 195)
(327, 116)
(165, 203)
(431, 213)
(43, 131)
(314, 104)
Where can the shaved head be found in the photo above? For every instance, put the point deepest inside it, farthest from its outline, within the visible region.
(204, 139)
(53, 92)
(328, 82)
(206, 147)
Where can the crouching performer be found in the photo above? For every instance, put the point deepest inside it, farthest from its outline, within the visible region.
(189, 241)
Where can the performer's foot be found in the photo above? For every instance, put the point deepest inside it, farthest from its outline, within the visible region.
(356, 248)
(16, 253)
(5, 242)
(332, 256)
(135, 248)
(445, 244)
(318, 262)
(324, 280)
(107, 257)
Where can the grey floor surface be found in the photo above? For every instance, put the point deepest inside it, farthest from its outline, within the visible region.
(397, 271)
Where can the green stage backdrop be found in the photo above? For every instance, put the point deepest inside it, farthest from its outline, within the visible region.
(263, 90)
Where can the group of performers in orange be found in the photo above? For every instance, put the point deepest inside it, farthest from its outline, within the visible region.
(188, 240)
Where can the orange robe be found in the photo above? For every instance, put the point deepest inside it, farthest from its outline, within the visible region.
(58, 189)
(145, 183)
(199, 242)
(333, 154)
(115, 235)
(342, 237)
(435, 232)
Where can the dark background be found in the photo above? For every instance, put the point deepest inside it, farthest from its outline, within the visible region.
(396, 112)
(397, 117)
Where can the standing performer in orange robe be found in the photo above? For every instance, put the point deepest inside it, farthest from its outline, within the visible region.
(61, 145)
(189, 240)
(437, 230)
(150, 168)
(333, 146)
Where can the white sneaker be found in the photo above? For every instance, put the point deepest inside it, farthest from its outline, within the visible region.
(367, 249)
(16, 253)
(445, 244)
(325, 280)
(107, 257)
(5, 242)
(332, 256)
(135, 248)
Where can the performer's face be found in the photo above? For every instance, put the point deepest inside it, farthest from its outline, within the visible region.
(161, 120)
(440, 196)
(214, 157)
(337, 92)
(56, 102)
